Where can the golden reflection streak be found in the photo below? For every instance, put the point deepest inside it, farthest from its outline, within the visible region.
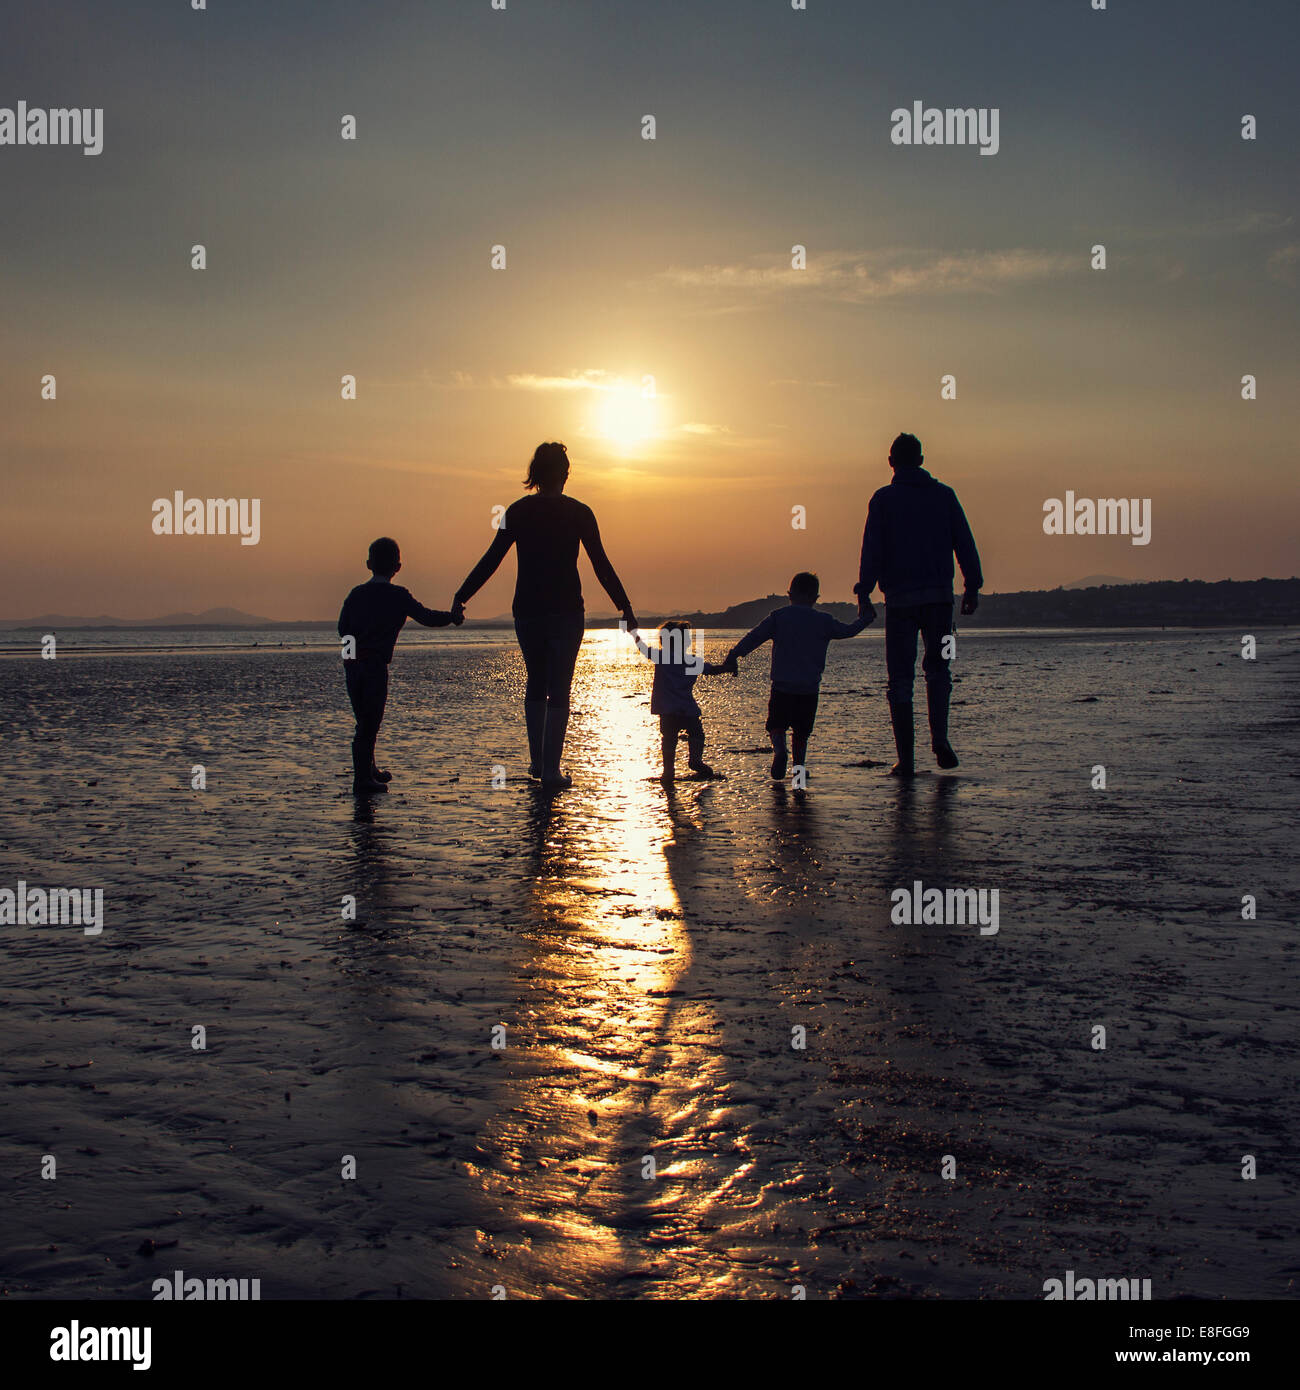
(597, 1083)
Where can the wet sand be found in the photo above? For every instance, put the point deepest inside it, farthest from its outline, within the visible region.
(649, 953)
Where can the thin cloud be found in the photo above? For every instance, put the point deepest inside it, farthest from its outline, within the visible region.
(799, 381)
(574, 381)
(1237, 224)
(1284, 264)
(859, 277)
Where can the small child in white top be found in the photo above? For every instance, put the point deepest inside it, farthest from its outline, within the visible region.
(672, 696)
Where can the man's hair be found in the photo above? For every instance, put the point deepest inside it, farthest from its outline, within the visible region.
(383, 556)
(905, 452)
(805, 584)
(550, 465)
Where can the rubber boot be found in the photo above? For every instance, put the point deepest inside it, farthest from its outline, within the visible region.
(937, 700)
(780, 755)
(900, 716)
(363, 784)
(557, 725)
(695, 760)
(799, 760)
(535, 723)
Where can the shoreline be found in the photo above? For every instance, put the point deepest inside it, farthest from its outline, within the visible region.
(495, 637)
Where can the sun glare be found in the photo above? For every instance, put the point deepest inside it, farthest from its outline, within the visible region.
(626, 416)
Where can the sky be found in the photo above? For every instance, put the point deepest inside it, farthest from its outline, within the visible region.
(629, 259)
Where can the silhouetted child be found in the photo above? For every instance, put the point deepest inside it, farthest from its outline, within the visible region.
(799, 635)
(672, 696)
(372, 616)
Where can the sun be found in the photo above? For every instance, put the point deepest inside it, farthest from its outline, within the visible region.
(626, 416)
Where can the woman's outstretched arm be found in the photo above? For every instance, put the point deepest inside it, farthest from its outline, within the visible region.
(485, 568)
(609, 581)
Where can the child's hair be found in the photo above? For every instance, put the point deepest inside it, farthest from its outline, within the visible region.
(550, 465)
(675, 648)
(383, 556)
(805, 585)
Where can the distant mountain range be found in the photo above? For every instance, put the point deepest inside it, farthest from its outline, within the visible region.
(1166, 603)
(210, 617)
(1094, 602)
(1097, 601)
(1096, 581)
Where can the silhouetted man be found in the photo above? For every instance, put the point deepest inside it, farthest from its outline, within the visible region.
(913, 528)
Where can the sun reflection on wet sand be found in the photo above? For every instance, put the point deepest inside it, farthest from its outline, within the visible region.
(596, 1083)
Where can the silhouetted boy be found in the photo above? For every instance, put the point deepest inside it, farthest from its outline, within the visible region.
(371, 617)
(913, 527)
(672, 696)
(800, 635)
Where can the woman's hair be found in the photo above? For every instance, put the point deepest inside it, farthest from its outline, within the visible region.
(550, 465)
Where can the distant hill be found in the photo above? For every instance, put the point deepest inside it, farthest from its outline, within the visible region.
(1166, 603)
(1093, 602)
(1096, 581)
(746, 615)
(210, 617)
(1097, 601)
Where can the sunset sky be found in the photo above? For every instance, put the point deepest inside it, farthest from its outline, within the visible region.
(626, 258)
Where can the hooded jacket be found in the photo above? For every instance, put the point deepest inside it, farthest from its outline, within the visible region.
(914, 526)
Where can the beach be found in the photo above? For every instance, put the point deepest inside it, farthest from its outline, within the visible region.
(644, 960)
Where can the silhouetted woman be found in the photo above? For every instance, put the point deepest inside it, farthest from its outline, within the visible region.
(545, 530)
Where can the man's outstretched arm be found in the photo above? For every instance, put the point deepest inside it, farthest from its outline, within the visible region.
(872, 555)
(963, 544)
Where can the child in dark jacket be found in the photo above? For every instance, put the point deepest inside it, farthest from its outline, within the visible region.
(799, 635)
(372, 616)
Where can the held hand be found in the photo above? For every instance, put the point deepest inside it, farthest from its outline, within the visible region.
(629, 621)
(865, 610)
(970, 601)
(457, 613)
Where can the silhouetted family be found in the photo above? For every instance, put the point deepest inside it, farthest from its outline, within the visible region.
(914, 527)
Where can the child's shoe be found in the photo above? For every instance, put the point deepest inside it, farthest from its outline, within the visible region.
(368, 787)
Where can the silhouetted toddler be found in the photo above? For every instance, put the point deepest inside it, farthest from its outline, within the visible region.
(672, 696)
